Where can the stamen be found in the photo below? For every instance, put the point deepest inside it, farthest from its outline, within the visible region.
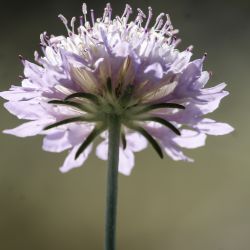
(150, 14)
(36, 56)
(21, 58)
(167, 26)
(81, 20)
(65, 22)
(159, 25)
(177, 42)
(92, 17)
(190, 48)
(158, 19)
(140, 16)
(204, 57)
(125, 11)
(129, 12)
(72, 24)
(141, 13)
(109, 11)
(84, 11)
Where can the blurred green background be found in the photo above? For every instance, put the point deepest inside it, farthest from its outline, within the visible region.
(163, 205)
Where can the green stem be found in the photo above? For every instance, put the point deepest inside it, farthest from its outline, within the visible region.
(112, 180)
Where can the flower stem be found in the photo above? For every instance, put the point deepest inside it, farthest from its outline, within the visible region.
(112, 180)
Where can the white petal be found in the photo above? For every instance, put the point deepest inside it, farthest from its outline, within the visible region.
(19, 93)
(126, 157)
(176, 154)
(70, 161)
(212, 127)
(122, 49)
(51, 56)
(126, 161)
(102, 150)
(29, 128)
(56, 141)
(136, 142)
(202, 81)
(190, 139)
(29, 110)
(181, 62)
(156, 69)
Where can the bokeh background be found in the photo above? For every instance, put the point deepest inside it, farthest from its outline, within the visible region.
(163, 204)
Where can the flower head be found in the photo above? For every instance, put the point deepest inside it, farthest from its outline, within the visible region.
(115, 66)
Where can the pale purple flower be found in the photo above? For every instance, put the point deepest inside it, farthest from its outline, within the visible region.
(115, 65)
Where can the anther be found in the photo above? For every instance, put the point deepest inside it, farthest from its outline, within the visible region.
(64, 21)
(190, 48)
(127, 7)
(84, 11)
(72, 24)
(140, 16)
(158, 19)
(109, 10)
(167, 26)
(21, 58)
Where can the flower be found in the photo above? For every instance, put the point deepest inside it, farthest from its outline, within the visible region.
(115, 66)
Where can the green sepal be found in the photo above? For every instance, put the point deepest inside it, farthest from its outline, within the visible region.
(72, 104)
(95, 132)
(126, 95)
(147, 108)
(109, 85)
(124, 141)
(87, 96)
(66, 121)
(150, 139)
(161, 121)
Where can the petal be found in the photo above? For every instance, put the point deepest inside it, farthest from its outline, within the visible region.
(176, 154)
(156, 70)
(190, 139)
(19, 93)
(102, 150)
(188, 77)
(29, 110)
(136, 142)
(165, 137)
(33, 72)
(122, 49)
(29, 128)
(126, 157)
(70, 161)
(56, 141)
(181, 62)
(202, 81)
(212, 127)
(126, 161)
(213, 94)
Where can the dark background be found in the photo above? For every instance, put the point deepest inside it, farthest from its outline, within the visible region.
(163, 204)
